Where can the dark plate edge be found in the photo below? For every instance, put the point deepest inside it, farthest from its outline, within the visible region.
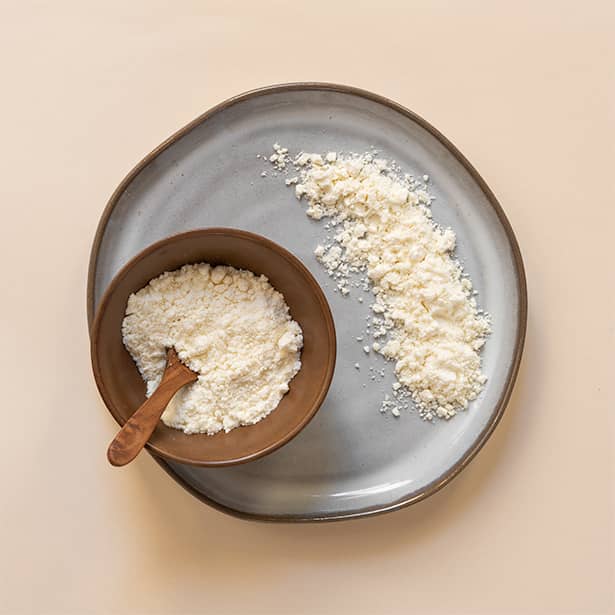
(446, 477)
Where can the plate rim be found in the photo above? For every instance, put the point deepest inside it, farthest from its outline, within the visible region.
(519, 272)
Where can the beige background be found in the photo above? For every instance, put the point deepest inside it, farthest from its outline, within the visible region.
(525, 89)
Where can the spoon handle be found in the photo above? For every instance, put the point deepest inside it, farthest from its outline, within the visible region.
(139, 427)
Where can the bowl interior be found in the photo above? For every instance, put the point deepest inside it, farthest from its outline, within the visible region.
(123, 390)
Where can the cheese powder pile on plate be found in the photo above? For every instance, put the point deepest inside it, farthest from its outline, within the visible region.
(230, 326)
(426, 319)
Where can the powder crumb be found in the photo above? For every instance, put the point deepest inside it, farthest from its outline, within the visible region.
(301, 160)
(389, 404)
(279, 158)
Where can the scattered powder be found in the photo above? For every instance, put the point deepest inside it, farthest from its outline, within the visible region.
(425, 312)
(279, 158)
(230, 326)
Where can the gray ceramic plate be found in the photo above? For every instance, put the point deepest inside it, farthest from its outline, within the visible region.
(350, 460)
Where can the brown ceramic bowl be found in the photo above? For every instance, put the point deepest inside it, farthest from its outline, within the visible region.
(123, 390)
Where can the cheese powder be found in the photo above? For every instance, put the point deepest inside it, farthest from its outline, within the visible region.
(230, 326)
(425, 315)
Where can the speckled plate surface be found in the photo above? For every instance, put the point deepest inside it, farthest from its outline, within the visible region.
(351, 460)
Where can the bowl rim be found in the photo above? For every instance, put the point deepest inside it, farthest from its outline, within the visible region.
(208, 232)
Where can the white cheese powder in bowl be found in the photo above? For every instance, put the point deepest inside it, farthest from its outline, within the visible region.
(229, 325)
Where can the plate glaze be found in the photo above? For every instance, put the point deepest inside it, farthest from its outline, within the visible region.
(351, 460)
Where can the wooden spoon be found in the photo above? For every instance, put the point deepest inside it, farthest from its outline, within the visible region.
(140, 426)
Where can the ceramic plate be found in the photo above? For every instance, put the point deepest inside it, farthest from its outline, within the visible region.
(351, 460)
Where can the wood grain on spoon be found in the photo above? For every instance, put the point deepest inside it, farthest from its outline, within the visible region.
(139, 427)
